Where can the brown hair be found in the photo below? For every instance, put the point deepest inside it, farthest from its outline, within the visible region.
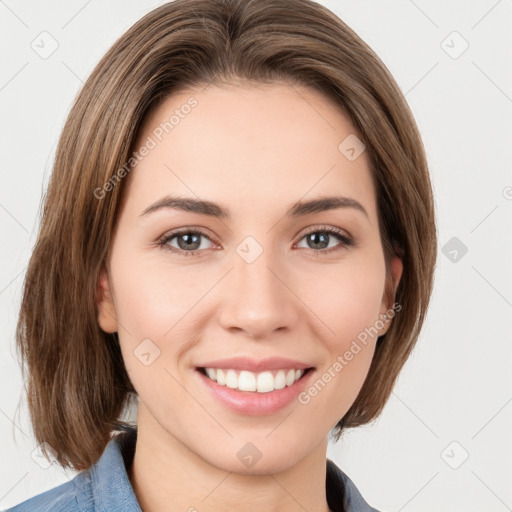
(77, 381)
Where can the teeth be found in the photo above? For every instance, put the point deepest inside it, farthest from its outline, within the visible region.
(231, 379)
(263, 382)
(211, 373)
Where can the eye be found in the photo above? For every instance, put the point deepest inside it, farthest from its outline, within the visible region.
(318, 239)
(189, 241)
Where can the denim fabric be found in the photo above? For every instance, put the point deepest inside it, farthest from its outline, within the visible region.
(105, 487)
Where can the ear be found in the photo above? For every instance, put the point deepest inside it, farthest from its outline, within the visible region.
(388, 299)
(107, 317)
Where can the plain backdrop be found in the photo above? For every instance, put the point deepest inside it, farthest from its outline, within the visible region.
(443, 442)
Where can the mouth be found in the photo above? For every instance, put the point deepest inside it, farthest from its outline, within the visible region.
(252, 393)
(245, 381)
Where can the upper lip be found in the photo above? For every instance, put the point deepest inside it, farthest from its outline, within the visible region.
(255, 365)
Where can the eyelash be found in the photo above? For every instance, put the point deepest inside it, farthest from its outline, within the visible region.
(345, 240)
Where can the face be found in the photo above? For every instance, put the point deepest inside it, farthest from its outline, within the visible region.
(185, 286)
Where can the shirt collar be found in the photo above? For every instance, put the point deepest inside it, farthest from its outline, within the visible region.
(110, 488)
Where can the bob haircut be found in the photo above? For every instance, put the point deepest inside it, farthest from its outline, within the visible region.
(78, 386)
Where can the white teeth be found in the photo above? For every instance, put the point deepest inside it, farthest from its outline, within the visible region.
(247, 381)
(266, 382)
(211, 373)
(280, 380)
(231, 379)
(263, 382)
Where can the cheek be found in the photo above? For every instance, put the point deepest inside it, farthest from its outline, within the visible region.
(153, 315)
(152, 296)
(338, 302)
(346, 298)
(348, 305)
(159, 308)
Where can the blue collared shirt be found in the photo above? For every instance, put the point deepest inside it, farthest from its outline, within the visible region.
(105, 487)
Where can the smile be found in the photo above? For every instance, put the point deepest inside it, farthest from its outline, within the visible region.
(254, 394)
(263, 382)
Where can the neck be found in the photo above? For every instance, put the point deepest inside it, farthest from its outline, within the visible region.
(167, 475)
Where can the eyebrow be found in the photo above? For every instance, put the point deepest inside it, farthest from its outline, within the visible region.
(298, 209)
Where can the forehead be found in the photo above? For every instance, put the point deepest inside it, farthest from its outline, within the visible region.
(272, 143)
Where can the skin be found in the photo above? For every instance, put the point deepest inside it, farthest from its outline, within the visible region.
(255, 149)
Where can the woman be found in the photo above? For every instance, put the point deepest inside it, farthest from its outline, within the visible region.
(239, 233)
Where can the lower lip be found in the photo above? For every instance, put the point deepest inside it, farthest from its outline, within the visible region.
(253, 403)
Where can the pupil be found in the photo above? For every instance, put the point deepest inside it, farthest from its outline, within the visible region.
(314, 237)
(189, 241)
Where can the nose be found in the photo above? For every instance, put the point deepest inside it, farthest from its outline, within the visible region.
(258, 299)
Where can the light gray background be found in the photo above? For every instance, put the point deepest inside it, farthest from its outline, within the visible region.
(456, 385)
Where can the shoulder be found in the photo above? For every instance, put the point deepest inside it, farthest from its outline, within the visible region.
(104, 486)
(72, 496)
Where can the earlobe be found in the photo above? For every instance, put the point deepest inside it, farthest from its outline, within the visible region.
(107, 317)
